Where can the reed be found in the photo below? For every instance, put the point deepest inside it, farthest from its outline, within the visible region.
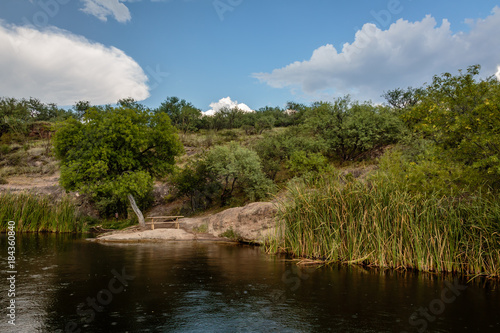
(377, 224)
(37, 213)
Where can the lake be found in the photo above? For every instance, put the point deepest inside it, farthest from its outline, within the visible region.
(65, 283)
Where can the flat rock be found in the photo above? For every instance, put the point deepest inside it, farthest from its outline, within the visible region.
(157, 234)
(253, 222)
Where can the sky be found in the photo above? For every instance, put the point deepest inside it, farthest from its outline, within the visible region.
(249, 53)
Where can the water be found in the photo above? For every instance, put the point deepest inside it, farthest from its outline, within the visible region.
(68, 284)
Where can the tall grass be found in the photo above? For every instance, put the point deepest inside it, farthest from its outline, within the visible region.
(37, 213)
(377, 224)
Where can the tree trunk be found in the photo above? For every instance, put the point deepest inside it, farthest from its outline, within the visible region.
(137, 211)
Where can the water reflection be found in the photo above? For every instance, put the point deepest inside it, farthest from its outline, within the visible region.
(68, 284)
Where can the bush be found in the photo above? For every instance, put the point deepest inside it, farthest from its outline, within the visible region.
(421, 168)
(351, 131)
(461, 115)
(238, 168)
(4, 149)
(301, 162)
(275, 150)
(223, 173)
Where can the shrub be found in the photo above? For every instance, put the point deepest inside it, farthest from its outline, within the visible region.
(351, 131)
(301, 162)
(275, 150)
(223, 173)
(461, 115)
(236, 167)
(4, 149)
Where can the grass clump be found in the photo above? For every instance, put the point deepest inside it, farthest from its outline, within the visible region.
(202, 229)
(231, 234)
(37, 213)
(375, 223)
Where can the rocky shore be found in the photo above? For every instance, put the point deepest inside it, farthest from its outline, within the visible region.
(253, 223)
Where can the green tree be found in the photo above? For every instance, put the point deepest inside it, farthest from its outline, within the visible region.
(265, 122)
(350, 130)
(223, 172)
(237, 167)
(275, 149)
(461, 115)
(400, 99)
(14, 116)
(116, 152)
(183, 114)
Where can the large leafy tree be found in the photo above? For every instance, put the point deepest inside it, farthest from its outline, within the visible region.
(116, 151)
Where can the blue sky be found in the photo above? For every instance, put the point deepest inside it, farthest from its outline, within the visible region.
(260, 53)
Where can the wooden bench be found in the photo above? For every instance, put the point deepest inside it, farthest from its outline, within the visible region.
(163, 220)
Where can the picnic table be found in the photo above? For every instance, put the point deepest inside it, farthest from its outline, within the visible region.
(163, 220)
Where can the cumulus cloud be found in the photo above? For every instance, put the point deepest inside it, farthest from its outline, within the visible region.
(406, 54)
(228, 104)
(498, 73)
(57, 66)
(104, 8)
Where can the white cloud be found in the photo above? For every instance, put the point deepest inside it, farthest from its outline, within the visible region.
(116, 8)
(406, 54)
(228, 104)
(498, 73)
(57, 66)
(104, 8)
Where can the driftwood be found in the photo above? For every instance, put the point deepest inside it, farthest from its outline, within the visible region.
(99, 229)
(137, 211)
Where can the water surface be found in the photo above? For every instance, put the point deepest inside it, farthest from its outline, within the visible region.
(68, 284)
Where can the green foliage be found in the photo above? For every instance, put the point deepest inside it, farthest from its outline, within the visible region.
(197, 183)
(201, 229)
(113, 152)
(275, 149)
(36, 213)
(301, 162)
(16, 116)
(184, 115)
(378, 224)
(462, 116)
(4, 149)
(351, 131)
(231, 234)
(236, 167)
(223, 173)
(264, 123)
(401, 99)
(421, 168)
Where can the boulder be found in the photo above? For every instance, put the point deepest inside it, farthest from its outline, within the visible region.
(251, 223)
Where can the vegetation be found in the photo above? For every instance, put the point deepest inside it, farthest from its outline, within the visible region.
(430, 201)
(376, 223)
(33, 213)
(432, 205)
(115, 152)
(222, 172)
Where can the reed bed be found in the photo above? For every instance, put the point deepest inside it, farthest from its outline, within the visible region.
(379, 225)
(37, 213)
